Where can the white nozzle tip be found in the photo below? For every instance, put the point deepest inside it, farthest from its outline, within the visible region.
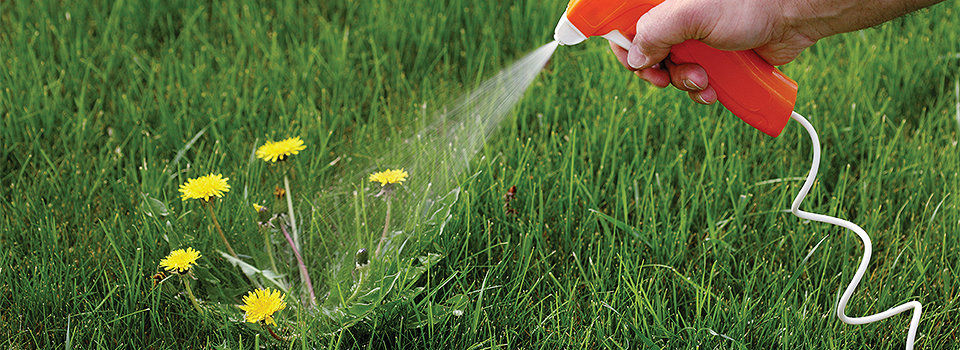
(566, 33)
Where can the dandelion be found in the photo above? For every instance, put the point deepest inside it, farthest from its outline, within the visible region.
(204, 187)
(257, 207)
(274, 151)
(180, 260)
(260, 305)
(388, 177)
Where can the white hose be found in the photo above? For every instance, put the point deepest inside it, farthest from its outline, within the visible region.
(867, 247)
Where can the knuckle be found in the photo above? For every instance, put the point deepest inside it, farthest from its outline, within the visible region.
(695, 18)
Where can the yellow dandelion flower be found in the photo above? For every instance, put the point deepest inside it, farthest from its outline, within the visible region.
(180, 260)
(204, 187)
(280, 150)
(259, 305)
(257, 207)
(388, 176)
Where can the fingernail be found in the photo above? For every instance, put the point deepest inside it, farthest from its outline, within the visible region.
(700, 99)
(689, 84)
(634, 58)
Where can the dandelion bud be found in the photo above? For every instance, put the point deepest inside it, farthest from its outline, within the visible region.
(263, 214)
(362, 258)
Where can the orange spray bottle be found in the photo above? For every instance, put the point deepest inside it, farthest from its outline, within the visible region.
(748, 86)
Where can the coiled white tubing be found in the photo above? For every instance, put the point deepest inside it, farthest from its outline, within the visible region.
(867, 247)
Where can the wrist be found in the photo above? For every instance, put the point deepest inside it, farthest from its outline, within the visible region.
(814, 19)
(818, 19)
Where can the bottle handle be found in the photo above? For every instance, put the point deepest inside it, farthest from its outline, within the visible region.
(749, 87)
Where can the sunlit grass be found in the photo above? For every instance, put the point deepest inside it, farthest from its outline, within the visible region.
(640, 220)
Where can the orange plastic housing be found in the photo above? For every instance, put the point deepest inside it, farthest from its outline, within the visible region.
(748, 86)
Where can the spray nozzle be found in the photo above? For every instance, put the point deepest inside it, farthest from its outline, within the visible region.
(566, 33)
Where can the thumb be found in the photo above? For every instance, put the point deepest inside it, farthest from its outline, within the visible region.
(670, 23)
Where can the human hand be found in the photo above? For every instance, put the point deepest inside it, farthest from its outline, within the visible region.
(778, 30)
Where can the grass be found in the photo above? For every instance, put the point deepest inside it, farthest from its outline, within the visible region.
(643, 220)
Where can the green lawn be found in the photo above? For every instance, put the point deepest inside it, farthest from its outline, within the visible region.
(641, 220)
